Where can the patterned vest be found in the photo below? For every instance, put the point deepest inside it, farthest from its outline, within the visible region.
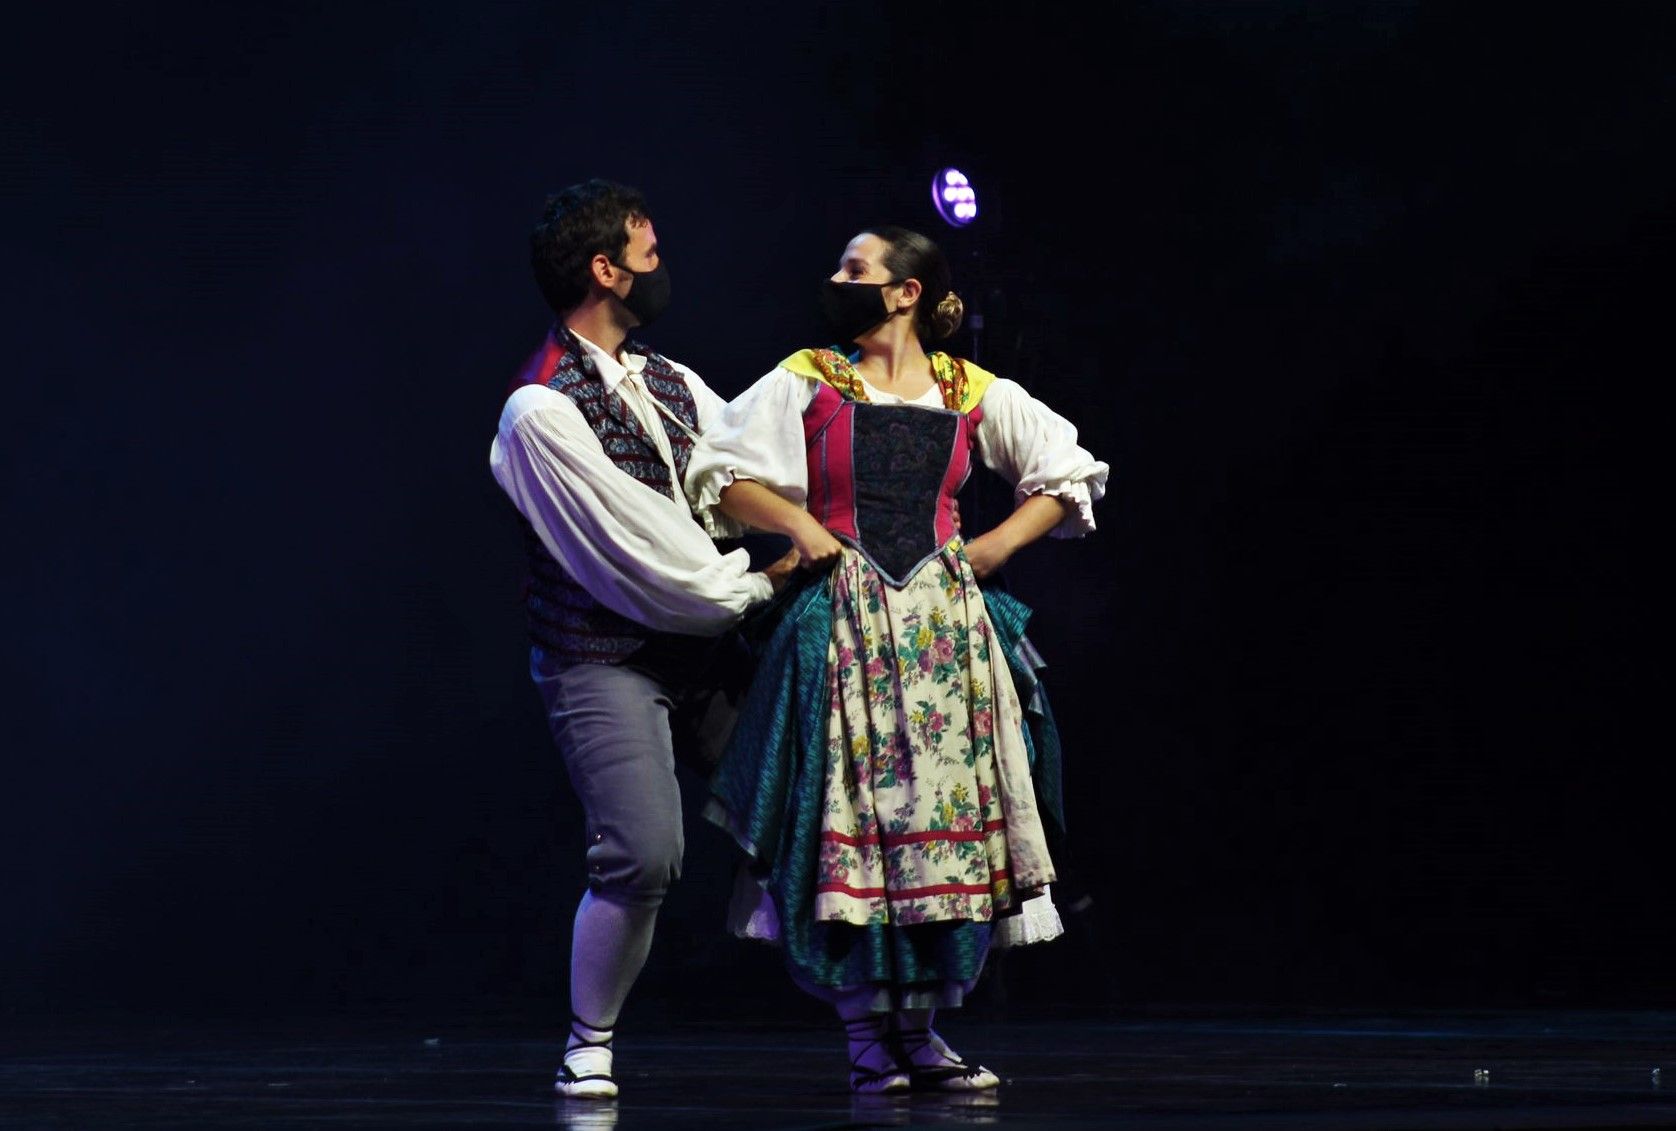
(564, 619)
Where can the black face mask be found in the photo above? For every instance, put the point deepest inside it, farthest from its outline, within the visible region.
(852, 309)
(648, 296)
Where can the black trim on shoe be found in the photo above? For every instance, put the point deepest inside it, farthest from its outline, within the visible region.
(583, 1041)
(566, 1075)
(932, 1077)
(861, 1076)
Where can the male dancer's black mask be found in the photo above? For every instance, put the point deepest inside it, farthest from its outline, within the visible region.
(648, 295)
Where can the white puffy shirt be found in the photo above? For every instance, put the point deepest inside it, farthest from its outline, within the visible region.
(635, 551)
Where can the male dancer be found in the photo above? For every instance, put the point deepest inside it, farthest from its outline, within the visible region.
(631, 604)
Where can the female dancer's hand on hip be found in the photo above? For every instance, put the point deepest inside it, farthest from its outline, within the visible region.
(816, 548)
(987, 553)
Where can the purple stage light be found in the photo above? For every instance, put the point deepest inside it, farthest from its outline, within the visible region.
(955, 199)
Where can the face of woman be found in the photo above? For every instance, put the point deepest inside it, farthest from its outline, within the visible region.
(859, 300)
(863, 261)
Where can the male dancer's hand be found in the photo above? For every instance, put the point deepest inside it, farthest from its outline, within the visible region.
(779, 572)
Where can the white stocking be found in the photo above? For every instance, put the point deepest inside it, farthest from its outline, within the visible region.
(609, 944)
(873, 1066)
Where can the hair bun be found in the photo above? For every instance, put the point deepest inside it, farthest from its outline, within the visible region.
(950, 310)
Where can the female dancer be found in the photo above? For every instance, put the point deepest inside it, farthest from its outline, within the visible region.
(894, 760)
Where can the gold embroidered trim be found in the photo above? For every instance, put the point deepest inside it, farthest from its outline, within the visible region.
(948, 372)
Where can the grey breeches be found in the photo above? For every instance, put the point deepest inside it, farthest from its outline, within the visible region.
(617, 727)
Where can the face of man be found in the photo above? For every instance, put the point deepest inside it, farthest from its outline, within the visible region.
(637, 276)
(641, 254)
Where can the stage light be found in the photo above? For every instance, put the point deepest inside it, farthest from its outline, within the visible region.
(955, 199)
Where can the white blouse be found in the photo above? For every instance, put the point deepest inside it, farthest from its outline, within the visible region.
(759, 436)
(634, 550)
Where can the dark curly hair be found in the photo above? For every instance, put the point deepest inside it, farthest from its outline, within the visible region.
(578, 223)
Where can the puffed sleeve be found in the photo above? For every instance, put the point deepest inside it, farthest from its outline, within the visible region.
(759, 435)
(1036, 450)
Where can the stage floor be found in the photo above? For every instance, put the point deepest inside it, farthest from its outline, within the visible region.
(1165, 1069)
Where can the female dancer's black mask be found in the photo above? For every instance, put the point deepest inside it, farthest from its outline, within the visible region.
(852, 309)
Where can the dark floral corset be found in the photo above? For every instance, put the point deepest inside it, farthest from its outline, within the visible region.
(883, 478)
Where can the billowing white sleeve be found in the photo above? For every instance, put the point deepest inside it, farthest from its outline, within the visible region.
(1036, 450)
(759, 435)
(711, 405)
(632, 549)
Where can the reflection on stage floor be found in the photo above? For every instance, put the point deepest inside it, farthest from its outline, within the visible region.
(1158, 1069)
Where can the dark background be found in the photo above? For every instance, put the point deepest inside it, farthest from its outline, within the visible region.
(1365, 305)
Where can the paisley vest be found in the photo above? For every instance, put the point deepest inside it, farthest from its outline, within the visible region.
(564, 619)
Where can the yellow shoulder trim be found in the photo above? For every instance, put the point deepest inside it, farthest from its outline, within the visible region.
(978, 381)
(803, 364)
(816, 365)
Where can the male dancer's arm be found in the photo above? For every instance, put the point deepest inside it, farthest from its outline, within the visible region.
(634, 550)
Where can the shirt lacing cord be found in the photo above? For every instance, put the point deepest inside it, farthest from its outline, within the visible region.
(633, 364)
